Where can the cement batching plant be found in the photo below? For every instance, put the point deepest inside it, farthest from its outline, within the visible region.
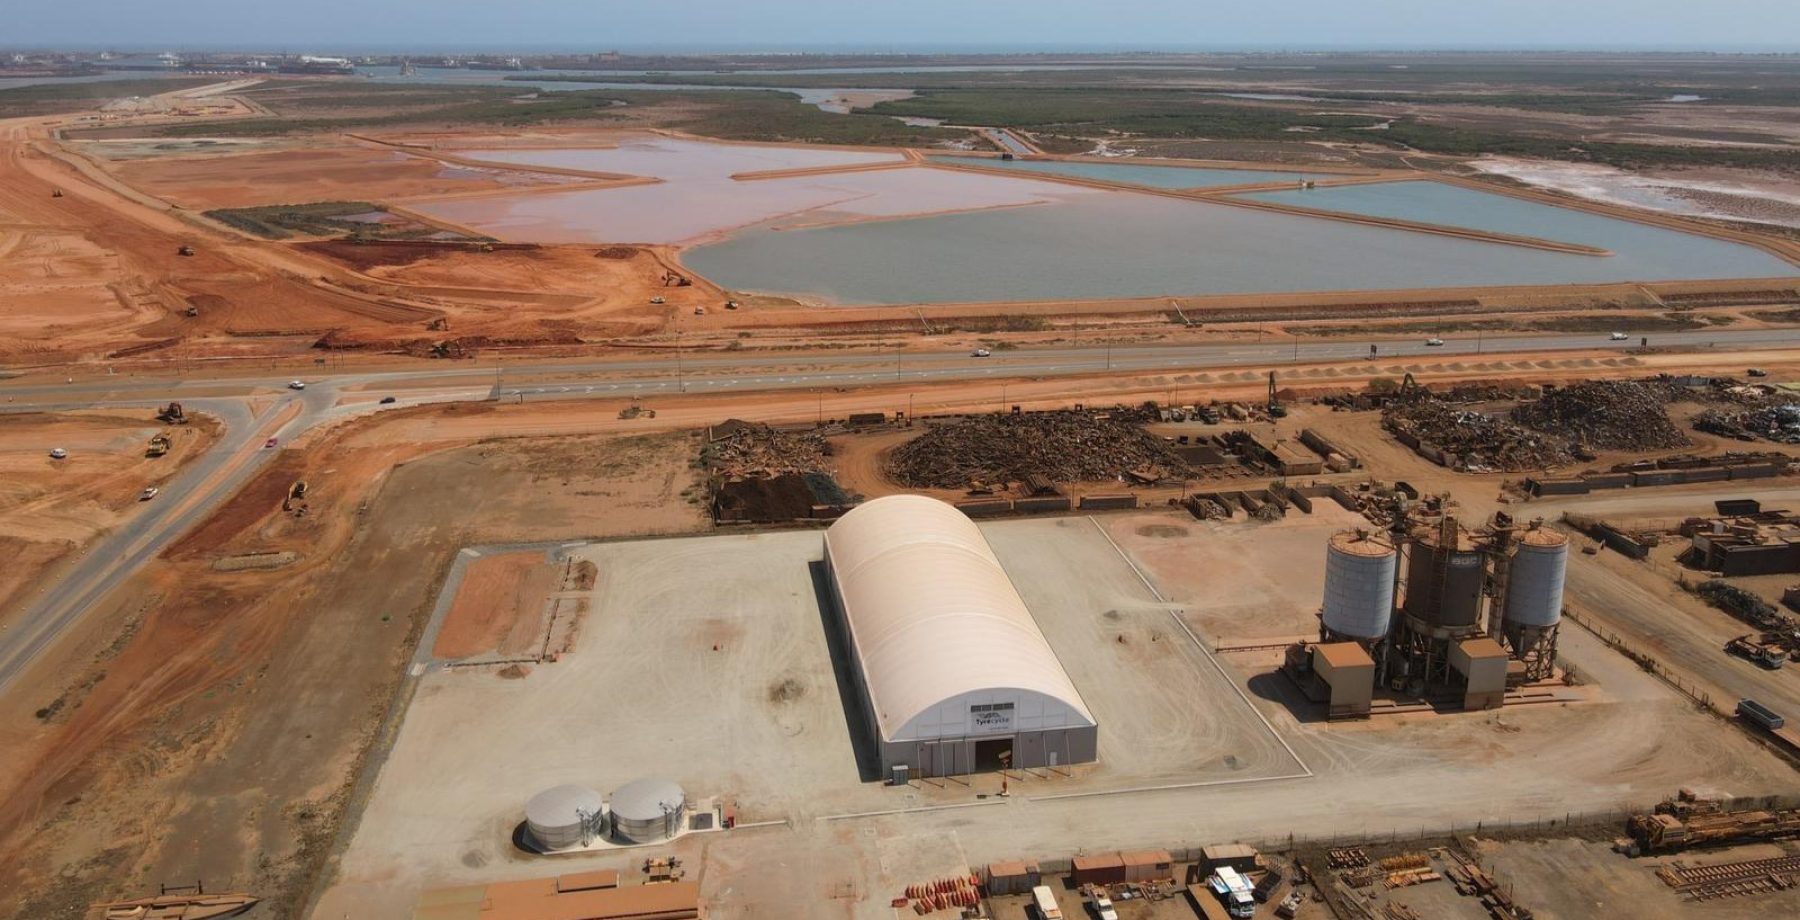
(1435, 611)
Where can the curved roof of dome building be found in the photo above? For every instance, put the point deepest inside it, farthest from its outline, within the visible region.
(932, 614)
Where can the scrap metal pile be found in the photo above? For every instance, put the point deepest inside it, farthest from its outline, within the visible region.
(1606, 414)
(1470, 440)
(1778, 629)
(993, 450)
(758, 451)
(1779, 422)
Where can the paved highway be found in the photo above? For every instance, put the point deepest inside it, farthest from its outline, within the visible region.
(867, 369)
(239, 454)
(713, 371)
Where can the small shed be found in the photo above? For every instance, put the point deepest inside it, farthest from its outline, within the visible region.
(1099, 869)
(1148, 865)
(1236, 856)
(1347, 668)
(1012, 877)
(1483, 663)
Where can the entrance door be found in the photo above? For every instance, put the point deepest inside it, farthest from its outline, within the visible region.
(994, 754)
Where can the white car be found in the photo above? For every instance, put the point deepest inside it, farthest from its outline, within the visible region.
(980, 353)
(1103, 906)
(147, 494)
(1433, 343)
(57, 453)
(296, 385)
(658, 299)
(1618, 337)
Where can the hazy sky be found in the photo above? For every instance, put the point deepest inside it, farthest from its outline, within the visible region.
(898, 26)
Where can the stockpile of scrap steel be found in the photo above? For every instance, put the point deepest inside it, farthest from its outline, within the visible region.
(1779, 423)
(758, 451)
(1606, 414)
(994, 450)
(1749, 608)
(1468, 440)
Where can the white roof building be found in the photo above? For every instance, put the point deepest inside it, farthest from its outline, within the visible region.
(945, 648)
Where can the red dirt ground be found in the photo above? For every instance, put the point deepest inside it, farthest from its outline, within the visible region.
(499, 607)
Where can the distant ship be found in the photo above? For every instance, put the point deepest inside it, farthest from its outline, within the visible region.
(407, 69)
(318, 65)
(508, 64)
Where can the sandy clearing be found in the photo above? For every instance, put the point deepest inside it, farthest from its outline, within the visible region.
(498, 607)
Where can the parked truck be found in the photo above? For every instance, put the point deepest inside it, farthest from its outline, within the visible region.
(1765, 654)
(159, 445)
(1234, 891)
(1045, 900)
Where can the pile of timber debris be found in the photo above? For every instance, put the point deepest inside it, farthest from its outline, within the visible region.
(758, 451)
(995, 450)
(1471, 440)
(1606, 414)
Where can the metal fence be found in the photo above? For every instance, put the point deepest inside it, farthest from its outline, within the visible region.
(1655, 668)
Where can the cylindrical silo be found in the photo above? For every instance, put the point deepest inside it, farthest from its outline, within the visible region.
(565, 816)
(1534, 589)
(1445, 584)
(647, 810)
(1359, 586)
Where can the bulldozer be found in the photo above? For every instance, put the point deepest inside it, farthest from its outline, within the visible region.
(159, 445)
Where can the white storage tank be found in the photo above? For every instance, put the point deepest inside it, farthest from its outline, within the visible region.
(1359, 585)
(647, 810)
(565, 816)
(1534, 591)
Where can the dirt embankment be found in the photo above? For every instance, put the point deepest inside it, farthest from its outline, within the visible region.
(217, 730)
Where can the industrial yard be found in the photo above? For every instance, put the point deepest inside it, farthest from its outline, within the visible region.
(473, 490)
(1244, 750)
